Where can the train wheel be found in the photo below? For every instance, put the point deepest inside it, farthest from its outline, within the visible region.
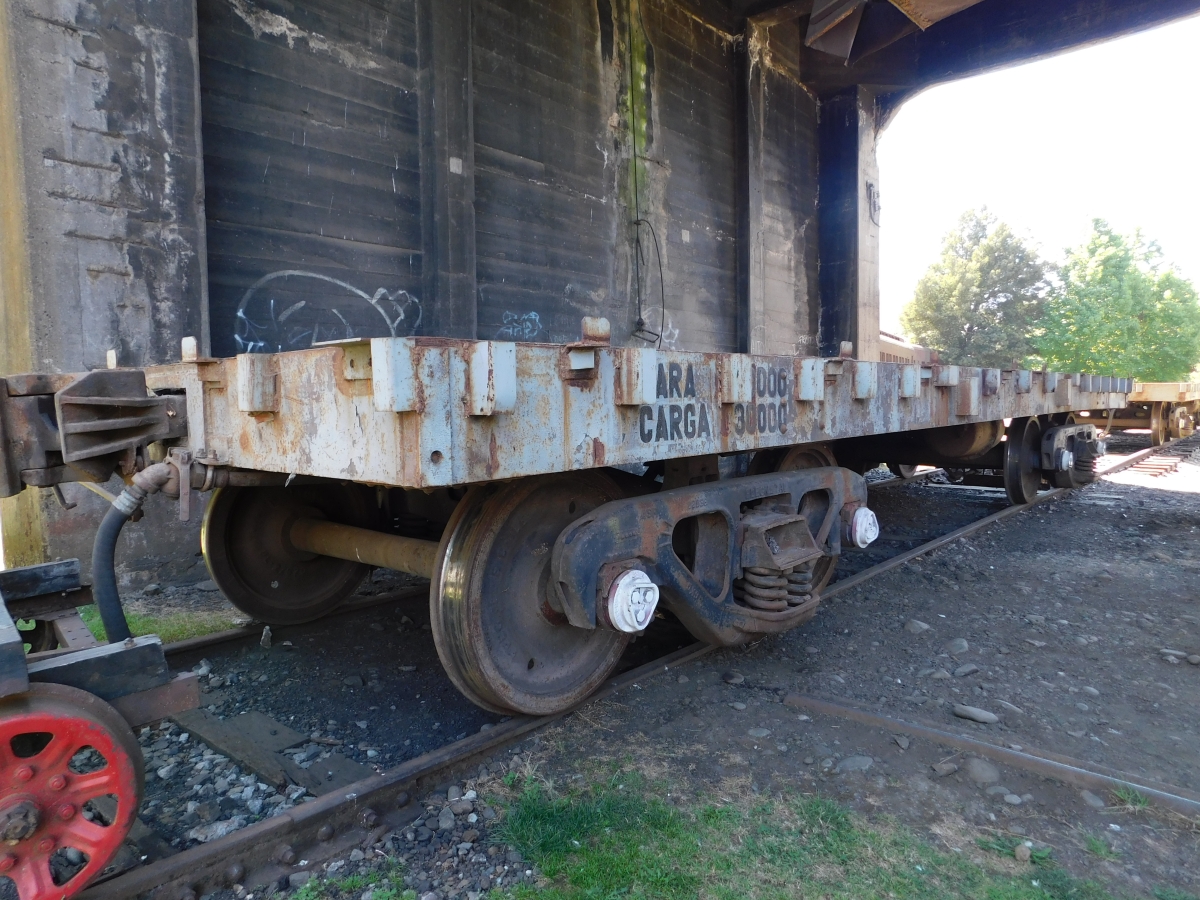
(805, 456)
(499, 636)
(1022, 460)
(72, 778)
(902, 471)
(249, 556)
(1158, 424)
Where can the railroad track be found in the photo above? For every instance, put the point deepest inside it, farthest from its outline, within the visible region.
(356, 816)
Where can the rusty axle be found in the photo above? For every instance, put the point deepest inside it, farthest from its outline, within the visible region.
(388, 551)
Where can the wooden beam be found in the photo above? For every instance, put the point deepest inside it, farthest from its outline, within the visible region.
(848, 224)
(447, 167)
(989, 35)
(108, 671)
(35, 581)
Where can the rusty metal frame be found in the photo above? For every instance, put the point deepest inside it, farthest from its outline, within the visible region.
(427, 412)
(642, 529)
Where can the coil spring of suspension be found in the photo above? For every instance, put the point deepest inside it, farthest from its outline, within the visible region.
(774, 590)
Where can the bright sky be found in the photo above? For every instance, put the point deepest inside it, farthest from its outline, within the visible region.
(1111, 131)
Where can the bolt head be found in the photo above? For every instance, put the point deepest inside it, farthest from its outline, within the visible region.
(57, 782)
(66, 811)
(7, 861)
(24, 773)
(45, 845)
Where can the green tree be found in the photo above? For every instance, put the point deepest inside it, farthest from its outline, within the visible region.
(980, 304)
(1119, 311)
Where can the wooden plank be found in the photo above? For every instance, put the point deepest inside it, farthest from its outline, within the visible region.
(48, 606)
(253, 739)
(71, 632)
(108, 671)
(33, 581)
(445, 51)
(178, 695)
(329, 774)
(13, 676)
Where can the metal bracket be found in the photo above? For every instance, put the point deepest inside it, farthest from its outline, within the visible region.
(181, 461)
(700, 592)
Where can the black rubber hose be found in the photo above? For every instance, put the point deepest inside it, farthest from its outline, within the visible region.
(104, 576)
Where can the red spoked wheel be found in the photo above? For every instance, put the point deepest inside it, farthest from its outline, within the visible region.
(71, 781)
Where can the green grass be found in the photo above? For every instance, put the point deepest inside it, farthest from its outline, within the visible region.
(1131, 800)
(618, 840)
(1097, 847)
(351, 887)
(170, 627)
(1168, 893)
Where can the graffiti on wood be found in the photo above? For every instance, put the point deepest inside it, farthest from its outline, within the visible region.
(265, 324)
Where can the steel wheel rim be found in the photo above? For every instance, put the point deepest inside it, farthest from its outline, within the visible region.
(248, 555)
(43, 779)
(501, 646)
(1022, 452)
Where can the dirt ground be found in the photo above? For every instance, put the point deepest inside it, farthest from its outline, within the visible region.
(1066, 612)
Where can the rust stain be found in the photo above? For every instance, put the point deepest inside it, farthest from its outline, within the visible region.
(493, 463)
(597, 452)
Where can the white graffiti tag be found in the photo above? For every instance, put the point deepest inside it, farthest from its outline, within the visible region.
(520, 327)
(273, 330)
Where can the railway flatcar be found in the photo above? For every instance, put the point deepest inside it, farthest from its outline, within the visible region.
(1167, 410)
(569, 307)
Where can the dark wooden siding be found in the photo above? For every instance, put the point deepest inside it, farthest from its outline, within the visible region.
(695, 152)
(554, 208)
(311, 153)
(544, 194)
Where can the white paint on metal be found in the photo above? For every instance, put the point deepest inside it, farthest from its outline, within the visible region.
(257, 383)
(581, 358)
(864, 528)
(945, 376)
(632, 600)
(396, 385)
(970, 396)
(991, 382)
(492, 378)
(738, 380)
(866, 380)
(810, 385)
(414, 412)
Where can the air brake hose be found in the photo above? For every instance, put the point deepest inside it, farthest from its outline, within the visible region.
(104, 574)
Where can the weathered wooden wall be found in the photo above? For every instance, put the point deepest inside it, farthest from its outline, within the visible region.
(312, 170)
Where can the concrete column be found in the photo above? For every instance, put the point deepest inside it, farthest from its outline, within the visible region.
(101, 210)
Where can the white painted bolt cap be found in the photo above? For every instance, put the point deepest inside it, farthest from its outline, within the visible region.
(632, 600)
(864, 528)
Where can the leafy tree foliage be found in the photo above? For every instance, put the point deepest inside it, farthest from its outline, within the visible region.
(981, 303)
(1120, 312)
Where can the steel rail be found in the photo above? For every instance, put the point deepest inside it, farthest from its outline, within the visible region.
(336, 823)
(359, 814)
(1063, 768)
(858, 578)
